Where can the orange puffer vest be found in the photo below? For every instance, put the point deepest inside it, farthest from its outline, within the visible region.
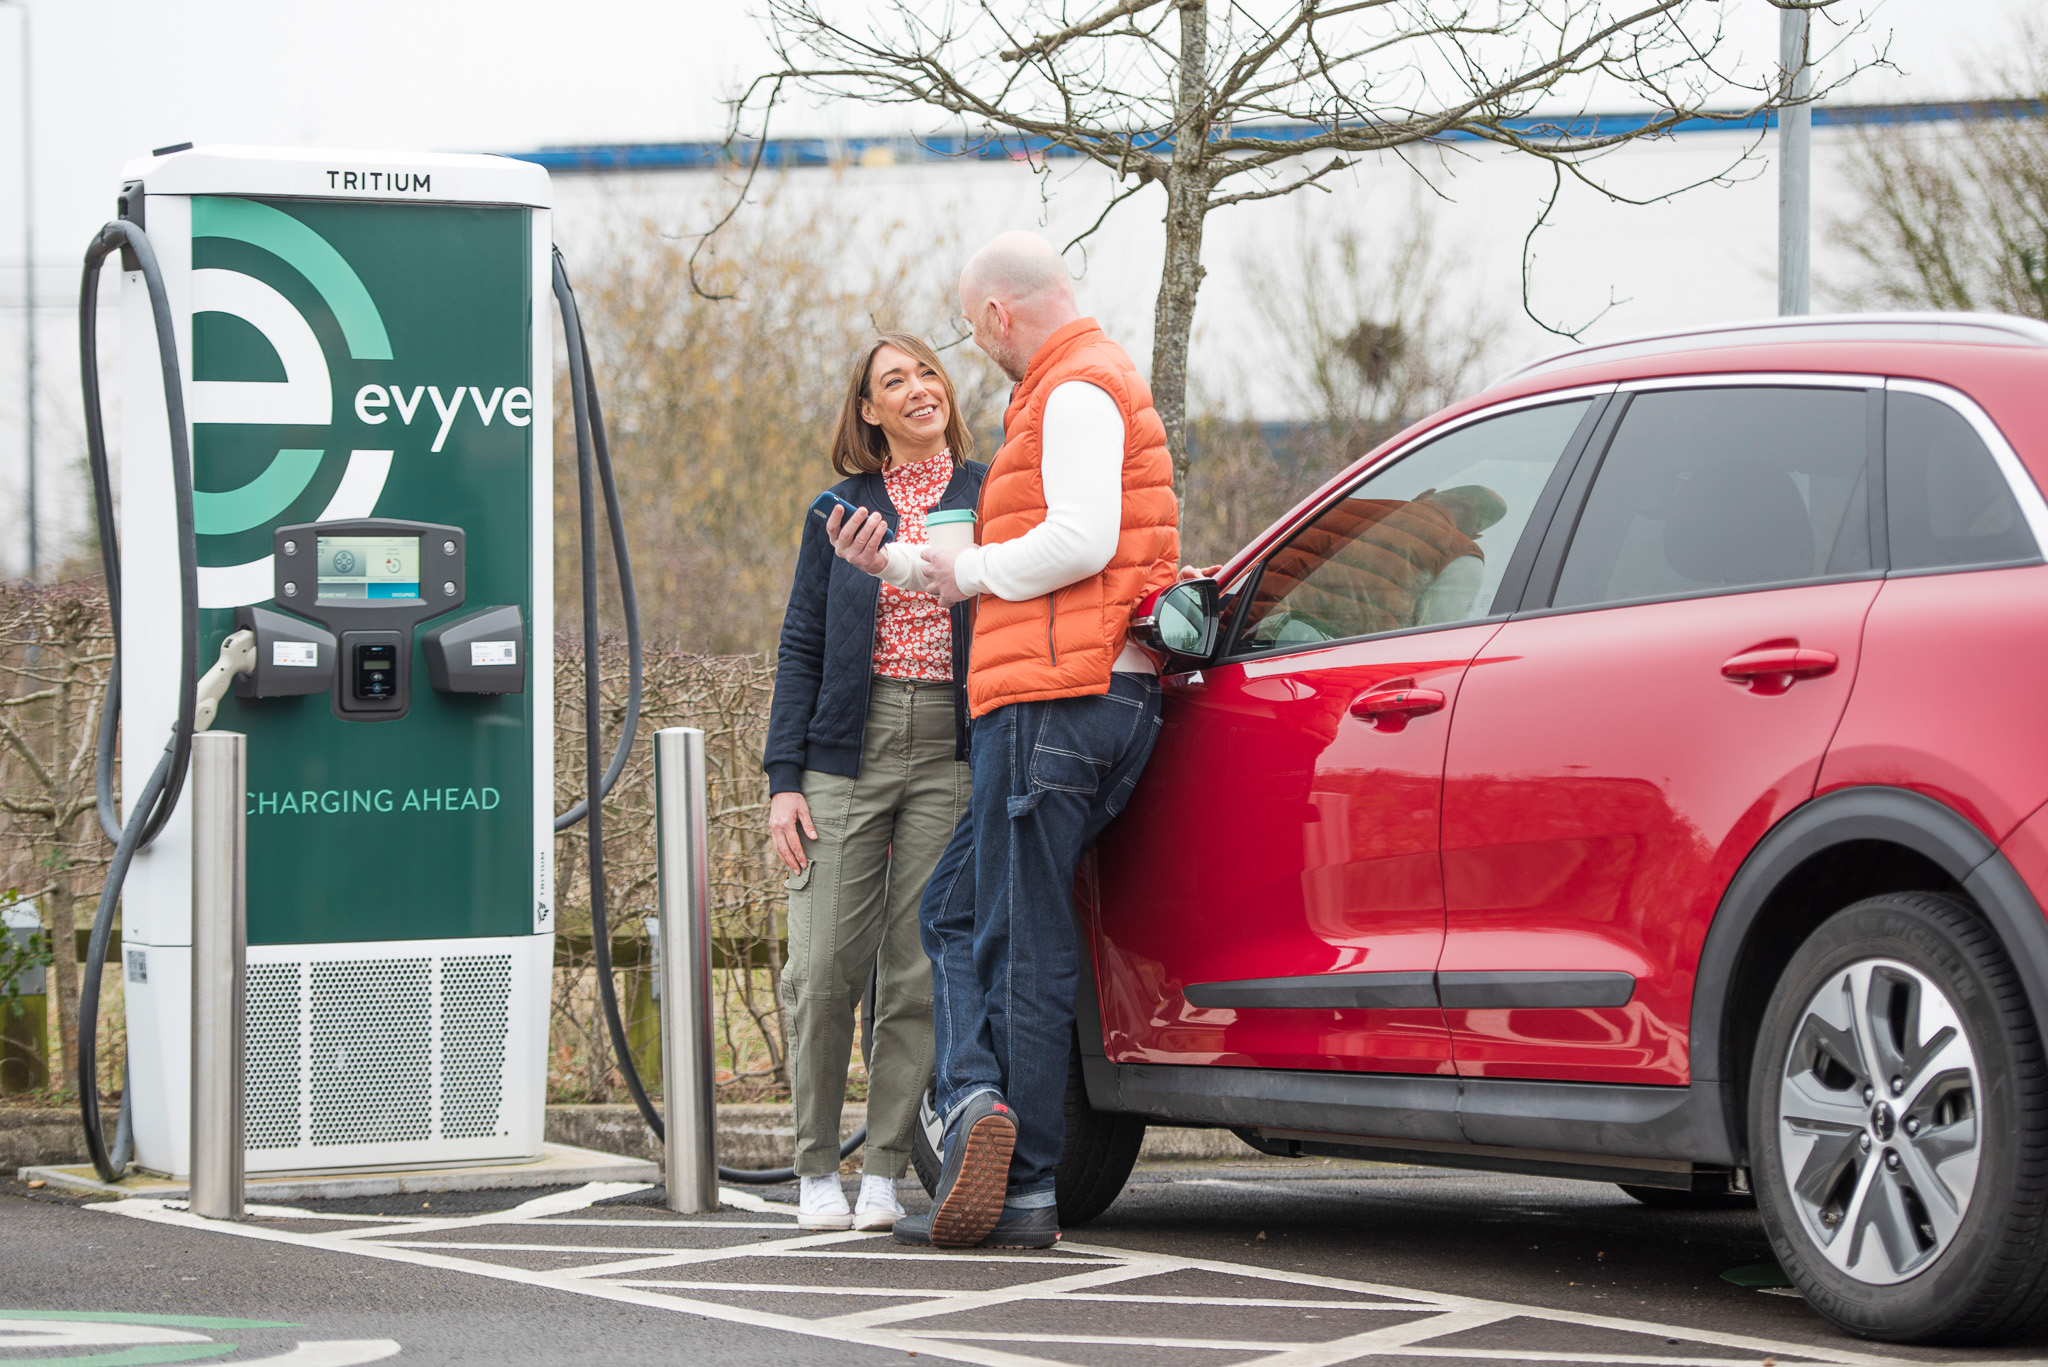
(1062, 644)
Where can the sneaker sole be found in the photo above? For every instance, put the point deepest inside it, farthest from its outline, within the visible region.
(881, 1224)
(975, 1203)
(817, 1223)
(993, 1242)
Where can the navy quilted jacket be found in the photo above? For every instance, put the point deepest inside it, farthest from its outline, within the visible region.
(826, 663)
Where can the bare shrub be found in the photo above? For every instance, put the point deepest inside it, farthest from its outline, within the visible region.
(727, 698)
(55, 648)
(1954, 216)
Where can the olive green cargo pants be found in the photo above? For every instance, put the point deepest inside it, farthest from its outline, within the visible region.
(854, 909)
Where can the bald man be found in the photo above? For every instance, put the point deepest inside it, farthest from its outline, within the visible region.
(1077, 522)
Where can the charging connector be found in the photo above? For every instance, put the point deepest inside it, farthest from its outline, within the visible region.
(237, 656)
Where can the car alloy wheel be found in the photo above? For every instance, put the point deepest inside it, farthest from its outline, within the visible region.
(1898, 1125)
(1878, 1120)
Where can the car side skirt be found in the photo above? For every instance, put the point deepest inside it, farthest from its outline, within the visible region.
(1603, 1125)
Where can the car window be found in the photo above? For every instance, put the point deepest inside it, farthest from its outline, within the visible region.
(1422, 543)
(1946, 501)
(1705, 489)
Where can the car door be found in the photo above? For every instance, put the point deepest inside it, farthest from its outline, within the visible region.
(1620, 746)
(1272, 896)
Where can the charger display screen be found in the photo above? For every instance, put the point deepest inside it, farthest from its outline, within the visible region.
(369, 567)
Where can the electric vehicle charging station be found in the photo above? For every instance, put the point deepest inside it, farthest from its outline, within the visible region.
(366, 359)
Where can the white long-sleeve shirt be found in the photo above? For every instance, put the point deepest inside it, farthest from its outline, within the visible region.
(1081, 467)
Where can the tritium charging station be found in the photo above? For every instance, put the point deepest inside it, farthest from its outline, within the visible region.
(366, 351)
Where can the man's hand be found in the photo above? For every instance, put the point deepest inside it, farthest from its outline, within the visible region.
(1188, 572)
(786, 811)
(938, 577)
(858, 539)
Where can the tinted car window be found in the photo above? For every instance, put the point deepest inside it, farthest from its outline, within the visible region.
(1705, 489)
(1947, 502)
(1421, 543)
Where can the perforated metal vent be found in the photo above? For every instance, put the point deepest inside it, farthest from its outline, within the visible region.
(270, 1085)
(370, 1049)
(475, 996)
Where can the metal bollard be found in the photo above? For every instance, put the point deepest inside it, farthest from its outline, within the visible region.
(220, 781)
(684, 867)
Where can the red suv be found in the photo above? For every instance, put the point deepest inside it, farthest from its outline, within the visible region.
(1633, 773)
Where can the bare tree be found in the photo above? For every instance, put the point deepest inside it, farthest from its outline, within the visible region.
(1955, 216)
(1223, 102)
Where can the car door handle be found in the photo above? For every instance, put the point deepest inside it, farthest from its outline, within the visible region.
(1390, 708)
(1773, 669)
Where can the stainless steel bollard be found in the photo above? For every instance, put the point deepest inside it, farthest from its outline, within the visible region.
(684, 866)
(220, 781)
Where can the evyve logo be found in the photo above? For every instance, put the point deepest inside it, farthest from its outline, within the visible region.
(514, 405)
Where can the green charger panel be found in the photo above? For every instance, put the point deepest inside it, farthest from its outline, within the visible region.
(350, 360)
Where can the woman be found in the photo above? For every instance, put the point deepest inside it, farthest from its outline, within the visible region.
(866, 762)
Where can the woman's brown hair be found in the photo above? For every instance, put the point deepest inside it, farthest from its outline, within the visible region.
(858, 446)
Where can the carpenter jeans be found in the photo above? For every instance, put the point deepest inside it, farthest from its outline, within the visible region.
(997, 916)
(854, 909)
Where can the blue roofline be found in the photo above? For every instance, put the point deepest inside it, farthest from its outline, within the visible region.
(783, 153)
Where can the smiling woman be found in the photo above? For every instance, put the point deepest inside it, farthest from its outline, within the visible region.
(867, 742)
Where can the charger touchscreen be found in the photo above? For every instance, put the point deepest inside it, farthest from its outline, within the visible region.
(369, 567)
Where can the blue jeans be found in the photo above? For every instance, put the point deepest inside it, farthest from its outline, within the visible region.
(997, 916)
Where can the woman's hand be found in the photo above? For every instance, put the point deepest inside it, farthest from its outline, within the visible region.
(858, 539)
(786, 811)
(1188, 572)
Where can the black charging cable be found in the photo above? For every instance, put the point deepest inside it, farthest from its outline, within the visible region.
(153, 806)
(594, 468)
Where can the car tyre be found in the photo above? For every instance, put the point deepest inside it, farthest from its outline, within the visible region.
(1899, 1127)
(1101, 1149)
(1670, 1198)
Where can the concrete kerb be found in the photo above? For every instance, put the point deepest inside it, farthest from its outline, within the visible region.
(600, 1143)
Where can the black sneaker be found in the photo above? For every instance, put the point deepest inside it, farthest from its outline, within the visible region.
(976, 1173)
(1025, 1227)
(1038, 1227)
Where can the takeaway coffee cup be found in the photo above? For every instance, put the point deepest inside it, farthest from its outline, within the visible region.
(949, 530)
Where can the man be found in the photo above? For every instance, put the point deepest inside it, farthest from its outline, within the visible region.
(1077, 523)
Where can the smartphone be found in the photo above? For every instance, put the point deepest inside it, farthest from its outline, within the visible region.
(822, 506)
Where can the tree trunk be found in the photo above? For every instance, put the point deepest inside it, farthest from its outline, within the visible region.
(1187, 202)
(64, 948)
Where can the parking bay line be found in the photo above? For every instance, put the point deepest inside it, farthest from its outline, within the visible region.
(1255, 1345)
(159, 1212)
(1438, 1317)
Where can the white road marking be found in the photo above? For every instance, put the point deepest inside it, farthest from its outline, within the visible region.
(331, 1353)
(1081, 1271)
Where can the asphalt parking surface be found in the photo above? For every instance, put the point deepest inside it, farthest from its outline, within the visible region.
(1286, 1264)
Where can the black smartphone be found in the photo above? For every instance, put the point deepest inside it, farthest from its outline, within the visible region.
(822, 506)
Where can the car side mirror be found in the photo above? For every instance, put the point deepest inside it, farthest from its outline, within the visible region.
(1180, 619)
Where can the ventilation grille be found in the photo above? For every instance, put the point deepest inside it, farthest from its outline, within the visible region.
(476, 994)
(392, 1050)
(271, 1081)
(371, 1043)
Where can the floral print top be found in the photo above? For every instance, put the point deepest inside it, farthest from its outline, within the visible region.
(913, 634)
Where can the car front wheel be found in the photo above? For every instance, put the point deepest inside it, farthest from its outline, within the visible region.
(1899, 1127)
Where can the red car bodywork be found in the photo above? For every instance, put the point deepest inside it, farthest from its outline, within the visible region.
(1584, 798)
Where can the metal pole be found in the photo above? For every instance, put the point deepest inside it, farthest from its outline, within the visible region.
(220, 782)
(684, 939)
(1795, 166)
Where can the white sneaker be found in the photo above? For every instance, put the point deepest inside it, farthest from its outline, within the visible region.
(878, 1207)
(822, 1205)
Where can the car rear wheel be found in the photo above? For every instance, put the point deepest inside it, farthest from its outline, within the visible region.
(1101, 1149)
(1899, 1127)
